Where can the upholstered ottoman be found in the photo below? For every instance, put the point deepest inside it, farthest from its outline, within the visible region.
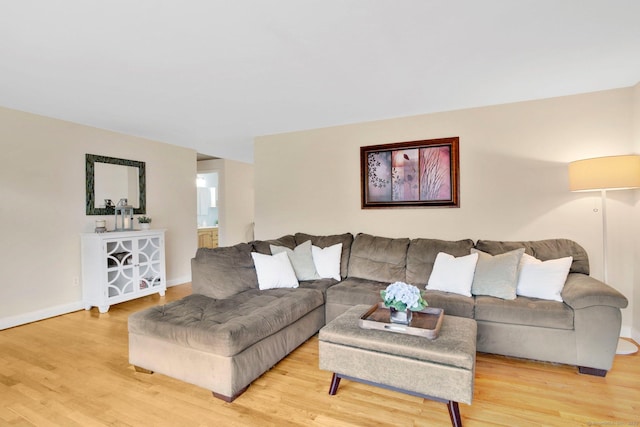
(441, 369)
(223, 345)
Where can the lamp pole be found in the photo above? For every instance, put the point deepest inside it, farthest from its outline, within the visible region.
(603, 193)
(624, 347)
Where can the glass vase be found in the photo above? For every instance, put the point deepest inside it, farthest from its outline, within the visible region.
(400, 317)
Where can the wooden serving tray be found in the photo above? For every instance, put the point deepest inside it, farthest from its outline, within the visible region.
(425, 323)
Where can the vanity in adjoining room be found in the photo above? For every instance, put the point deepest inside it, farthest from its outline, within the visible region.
(208, 237)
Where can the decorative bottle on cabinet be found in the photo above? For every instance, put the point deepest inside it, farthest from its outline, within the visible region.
(121, 266)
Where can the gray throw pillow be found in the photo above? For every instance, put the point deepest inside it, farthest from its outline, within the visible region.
(301, 259)
(497, 276)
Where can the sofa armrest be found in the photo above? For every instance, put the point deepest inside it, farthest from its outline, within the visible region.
(581, 291)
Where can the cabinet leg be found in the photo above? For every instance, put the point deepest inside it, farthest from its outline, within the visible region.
(103, 308)
(161, 293)
(142, 370)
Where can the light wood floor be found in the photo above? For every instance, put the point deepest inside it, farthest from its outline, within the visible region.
(73, 370)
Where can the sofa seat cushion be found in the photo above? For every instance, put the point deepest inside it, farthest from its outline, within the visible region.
(378, 258)
(320, 284)
(524, 311)
(452, 304)
(227, 326)
(354, 291)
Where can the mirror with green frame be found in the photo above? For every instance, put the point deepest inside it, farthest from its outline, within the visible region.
(109, 179)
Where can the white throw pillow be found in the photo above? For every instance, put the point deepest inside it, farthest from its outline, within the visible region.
(274, 271)
(327, 261)
(543, 279)
(451, 274)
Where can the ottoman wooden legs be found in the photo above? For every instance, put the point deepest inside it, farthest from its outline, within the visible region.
(454, 413)
(335, 382)
(454, 410)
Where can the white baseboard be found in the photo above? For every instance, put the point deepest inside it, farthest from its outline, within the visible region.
(178, 281)
(46, 313)
(34, 316)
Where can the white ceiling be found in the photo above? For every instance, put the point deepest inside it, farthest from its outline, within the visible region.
(213, 74)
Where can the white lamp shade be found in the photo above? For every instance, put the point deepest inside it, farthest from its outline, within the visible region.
(605, 173)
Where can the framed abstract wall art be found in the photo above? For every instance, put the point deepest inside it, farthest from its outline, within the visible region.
(411, 174)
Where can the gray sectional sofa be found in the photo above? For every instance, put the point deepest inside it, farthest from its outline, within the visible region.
(228, 332)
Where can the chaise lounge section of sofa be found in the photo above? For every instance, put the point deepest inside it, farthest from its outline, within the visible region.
(229, 332)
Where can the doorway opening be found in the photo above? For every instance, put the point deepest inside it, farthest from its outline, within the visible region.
(207, 209)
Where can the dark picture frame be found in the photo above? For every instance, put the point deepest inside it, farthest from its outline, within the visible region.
(415, 174)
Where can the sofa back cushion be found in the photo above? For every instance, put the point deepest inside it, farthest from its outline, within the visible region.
(223, 272)
(264, 246)
(422, 253)
(326, 241)
(378, 258)
(544, 250)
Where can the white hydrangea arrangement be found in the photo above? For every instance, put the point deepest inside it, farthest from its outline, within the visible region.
(402, 296)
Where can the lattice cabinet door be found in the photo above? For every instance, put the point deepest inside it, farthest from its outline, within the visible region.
(120, 266)
(150, 262)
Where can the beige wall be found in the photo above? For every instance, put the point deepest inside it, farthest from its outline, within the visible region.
(513, 178)
(42, 188)
(236, 200)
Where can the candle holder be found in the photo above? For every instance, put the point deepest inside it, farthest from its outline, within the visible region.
(101, 226)
(122, 213)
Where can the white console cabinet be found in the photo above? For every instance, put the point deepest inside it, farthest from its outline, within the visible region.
(121, 266)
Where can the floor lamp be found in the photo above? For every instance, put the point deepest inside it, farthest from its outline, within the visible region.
(605, 174)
